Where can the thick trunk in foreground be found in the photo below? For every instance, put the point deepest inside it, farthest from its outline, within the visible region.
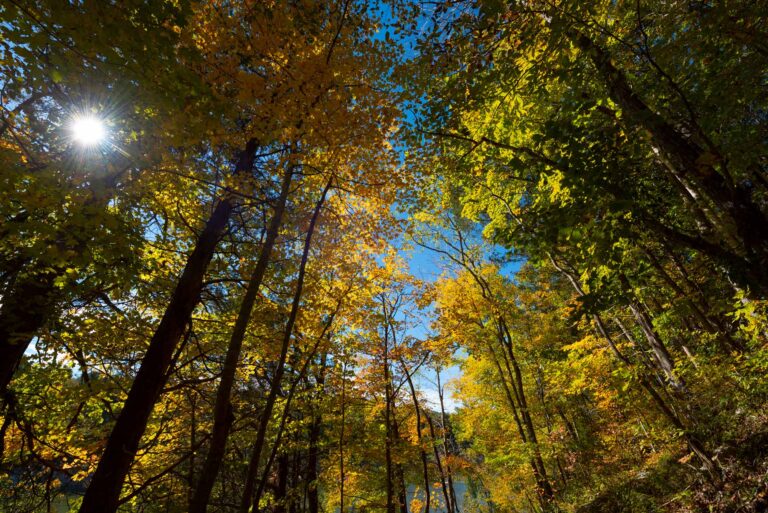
(34, 298)
(222, 414)
(103, 492)
(22, 315)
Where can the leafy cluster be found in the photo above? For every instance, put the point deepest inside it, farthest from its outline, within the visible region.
(212, 308)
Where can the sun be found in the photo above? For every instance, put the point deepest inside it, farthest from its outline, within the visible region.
(88, 130)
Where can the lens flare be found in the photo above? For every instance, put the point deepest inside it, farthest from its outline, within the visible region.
(88, 130)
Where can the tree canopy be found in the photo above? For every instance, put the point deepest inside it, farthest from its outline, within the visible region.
(464, 256)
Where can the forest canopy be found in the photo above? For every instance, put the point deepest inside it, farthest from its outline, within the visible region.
(404, 256)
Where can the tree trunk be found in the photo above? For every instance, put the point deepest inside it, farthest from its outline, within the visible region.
(222, 410)
(388, 440)
(546, 487)
(737, 217)
(446, 433)
(341, 433)
(253, 464)
(286, 409)
(313, 458)
(422, 451)
(281, 490)
(402, 499)
(513, 400)
(438, 462)
(103, 492)
(693, 443)
(22, 315)
(660, 353)
(34, 299)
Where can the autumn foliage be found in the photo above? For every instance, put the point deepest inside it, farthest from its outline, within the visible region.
(317, 256)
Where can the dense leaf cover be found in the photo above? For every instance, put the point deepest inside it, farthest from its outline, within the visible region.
(216, 306)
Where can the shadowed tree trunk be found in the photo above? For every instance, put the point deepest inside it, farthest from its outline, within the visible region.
(399, 473)
(103, 491)
(422, 451)
(439, 463)
(388, 440)
(740, 222)
(313, 458)
(545, 485)
(34, 298)
(446, 433)
(24, 312)
(341, 432)
(222, 410)
(282, 484)
(693, 443)
(287, 409)
(253, 464)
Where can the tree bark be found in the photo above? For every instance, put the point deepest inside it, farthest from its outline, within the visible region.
(313, 458)
(388, 423)
(286, 413)
(34, 298)
(446, 433)
(737, 218)
(23, 313)
(222, 410)
(282, 484)
(402, 500)
(513, 400)
(341, 433)
(438, 462)
(546, 487)
(253, 464)
(693, 443)
(103, 492)
(422, 451)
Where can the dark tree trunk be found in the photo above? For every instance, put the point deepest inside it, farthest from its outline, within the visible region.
(546, 487)
(33, 298)
(24, 312)
(222, 410)
(446, 433)
(388, 439)
(287, 410)
(422, 451)
(313, 498)
(402, 499)
(737, 217)
(695, 445)
(313, 457)
(281, 490)
(341, 434)
(192, 448)
(103, 492)
(439, 463)
(258, 446)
